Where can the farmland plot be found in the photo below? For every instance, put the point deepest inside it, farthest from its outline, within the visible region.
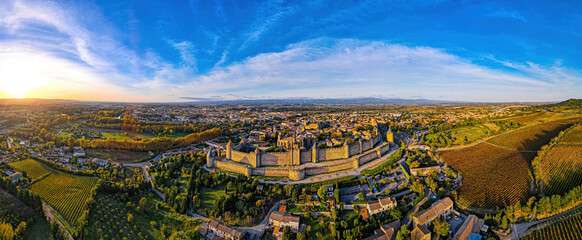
(66, 193)
(492, 176)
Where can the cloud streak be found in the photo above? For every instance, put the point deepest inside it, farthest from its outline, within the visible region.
(70, 58)
(341, 67)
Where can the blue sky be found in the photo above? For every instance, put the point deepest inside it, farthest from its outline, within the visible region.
(219, 49)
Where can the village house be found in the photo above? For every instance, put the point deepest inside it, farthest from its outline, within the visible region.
(225, 231)
(15, 177)
(100, 162)
(329, 188)
(381, 205)
(79, 152)
(386, 231)
(279, 219)
(420, 232)
(439, 208)
(424, 171)
(471, 225)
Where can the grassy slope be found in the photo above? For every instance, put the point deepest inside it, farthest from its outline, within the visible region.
(208, 196)
(472, 133)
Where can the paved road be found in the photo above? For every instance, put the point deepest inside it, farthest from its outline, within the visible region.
(371, 181)
(258, 230)
(142, 164)
(520, 229)
(196, 216)
(149, 177)
(325, 177)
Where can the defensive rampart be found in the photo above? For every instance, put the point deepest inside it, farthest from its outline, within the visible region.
(300, 171)
(299, 156)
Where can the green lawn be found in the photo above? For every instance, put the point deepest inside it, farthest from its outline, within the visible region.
(349, 217)
(175, 135)
(64, 134)
(183, 180)
(458, 135)
(208, 195)
(39, 230)
(315, 226)
(116, 136)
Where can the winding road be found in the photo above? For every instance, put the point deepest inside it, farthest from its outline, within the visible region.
(520, 229)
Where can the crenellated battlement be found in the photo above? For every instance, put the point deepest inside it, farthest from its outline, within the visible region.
(296, 163)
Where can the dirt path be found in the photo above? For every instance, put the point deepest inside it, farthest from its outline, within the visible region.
(484, 140)
(47, 209)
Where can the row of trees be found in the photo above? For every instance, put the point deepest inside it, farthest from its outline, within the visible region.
(150, 144)
(24, 195)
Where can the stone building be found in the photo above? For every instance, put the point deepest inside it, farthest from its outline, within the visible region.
(420, 232)
(297, 163)
(440, 208)
(225, 231)
(471, 225)
(386, 231)
(381, 205)
(279, 219)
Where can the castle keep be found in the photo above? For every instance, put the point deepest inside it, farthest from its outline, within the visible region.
(298, 162)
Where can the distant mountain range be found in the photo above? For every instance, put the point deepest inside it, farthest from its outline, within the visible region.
(307, 101)
(351, 101)
(340, 101)
(27, 101)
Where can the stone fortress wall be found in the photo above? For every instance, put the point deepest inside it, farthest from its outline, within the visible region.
(296, 163)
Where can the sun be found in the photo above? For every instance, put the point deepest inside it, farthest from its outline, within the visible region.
(20, 75)
(15, 89)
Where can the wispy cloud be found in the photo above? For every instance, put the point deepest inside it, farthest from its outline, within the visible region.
(267, 16)
(330, 67)
(71, 58)
(503, 13)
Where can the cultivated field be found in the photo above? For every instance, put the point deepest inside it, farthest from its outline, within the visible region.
(66, 193)
(560, 169)
(33, 169)
(530, 138)
(108, 220)
(492, 176)
(122, 156)
(538, 117)
(573, 136)
(567, 228)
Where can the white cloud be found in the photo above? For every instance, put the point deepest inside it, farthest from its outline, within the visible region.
(331, 68)
(77, 63)
(508, 14)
